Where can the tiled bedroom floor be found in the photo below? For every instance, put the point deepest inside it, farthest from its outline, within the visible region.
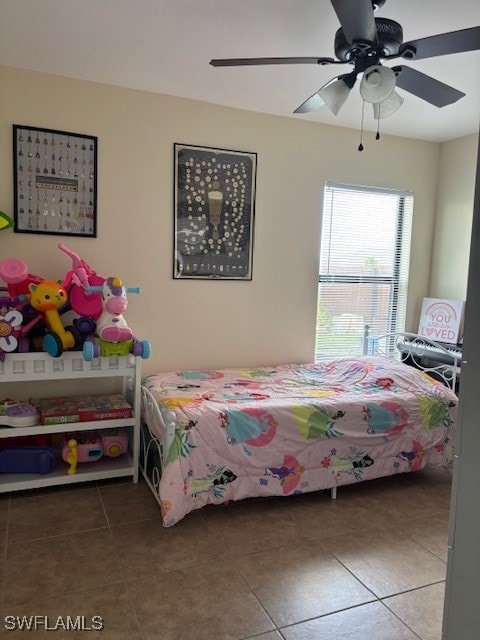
(370, 565)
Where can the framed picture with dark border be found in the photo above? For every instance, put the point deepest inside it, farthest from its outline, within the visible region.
(55, 182)
(214, 213)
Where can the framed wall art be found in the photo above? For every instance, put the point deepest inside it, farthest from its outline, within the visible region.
(214, 210)
(55, 182)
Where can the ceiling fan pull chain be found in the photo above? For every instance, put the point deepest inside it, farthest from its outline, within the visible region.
(377, 136)
(360, 146)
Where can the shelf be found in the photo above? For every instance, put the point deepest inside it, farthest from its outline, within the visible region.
(28, 367)
(41, 429)
(87, 471)
(18, 367)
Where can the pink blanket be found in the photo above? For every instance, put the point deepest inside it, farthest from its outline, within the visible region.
(298, 428)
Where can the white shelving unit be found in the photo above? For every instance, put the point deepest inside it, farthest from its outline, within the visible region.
(34, 367)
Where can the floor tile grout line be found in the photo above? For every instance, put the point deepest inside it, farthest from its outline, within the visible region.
(352, 574)
(427, 549)
(401, 593)
(130, 582)
(398, 593)
(262, 633)
(135, 612)
(63, 594)
(378, 599)
(330, 613)
(107, 524)
(231, 558)
(257, 599)
(60, 535)
(61, 489)
(250, 553)
(124, 579)
(382, 600)
(375, 597)
(73, 533)
(241, 575)
(123, 522)
(401, 620)
(357, 606)
(120, 564)
(99, 493)
(277, 628)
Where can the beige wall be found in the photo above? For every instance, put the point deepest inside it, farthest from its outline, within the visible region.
(195, 323)
(454, 211)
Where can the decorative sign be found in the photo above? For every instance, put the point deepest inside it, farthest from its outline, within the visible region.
(55, 182)
(214, 213)
(442, 320)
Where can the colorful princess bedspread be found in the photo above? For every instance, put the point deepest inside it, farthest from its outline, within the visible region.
(297, 428)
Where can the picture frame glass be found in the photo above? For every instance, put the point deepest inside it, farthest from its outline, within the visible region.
(55, 182)
(214, 212)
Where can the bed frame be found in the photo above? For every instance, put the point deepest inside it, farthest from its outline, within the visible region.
(154, 450)
(416, 351)
(410, 348)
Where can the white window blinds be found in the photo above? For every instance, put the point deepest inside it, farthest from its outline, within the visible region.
(364, 260)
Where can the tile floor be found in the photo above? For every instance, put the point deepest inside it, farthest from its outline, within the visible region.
(370, 565)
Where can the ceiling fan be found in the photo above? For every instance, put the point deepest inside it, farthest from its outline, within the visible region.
(364, 41)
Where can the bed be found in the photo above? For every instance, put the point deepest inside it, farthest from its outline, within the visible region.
(215, 436)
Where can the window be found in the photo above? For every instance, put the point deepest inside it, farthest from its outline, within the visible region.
(364, 259)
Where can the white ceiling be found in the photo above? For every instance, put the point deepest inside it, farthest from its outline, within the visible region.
(165, 46)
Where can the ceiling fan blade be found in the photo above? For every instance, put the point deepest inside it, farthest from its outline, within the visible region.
(357, 19)
(238, 62)
(442, 44)
(426, 87)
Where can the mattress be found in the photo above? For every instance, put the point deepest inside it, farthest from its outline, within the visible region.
(280, 430)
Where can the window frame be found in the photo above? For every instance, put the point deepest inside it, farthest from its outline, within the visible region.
(397, 304)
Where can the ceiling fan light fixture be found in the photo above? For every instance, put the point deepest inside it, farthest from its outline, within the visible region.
(311, 104)
(388, 106)
(334, 95)
(377, 83)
